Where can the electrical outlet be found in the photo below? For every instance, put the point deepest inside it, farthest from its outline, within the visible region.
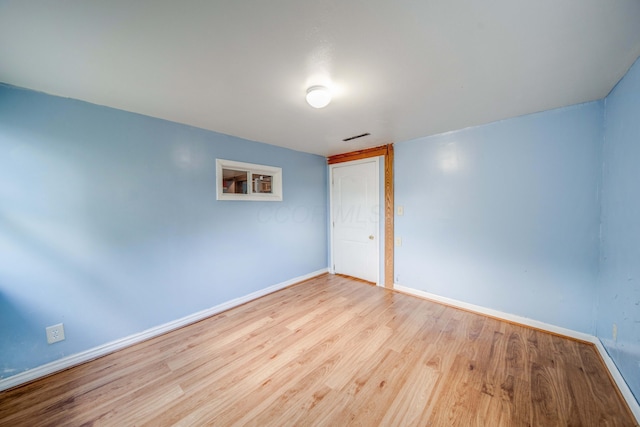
(55, 333)
(398, 241)
(614, 332)
(400, 210)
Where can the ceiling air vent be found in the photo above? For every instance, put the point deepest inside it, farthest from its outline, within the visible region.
(351, 138)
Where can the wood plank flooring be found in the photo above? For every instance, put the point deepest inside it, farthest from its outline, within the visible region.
(332, 352)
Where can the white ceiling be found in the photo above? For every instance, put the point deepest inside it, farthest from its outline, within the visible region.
(399, 69)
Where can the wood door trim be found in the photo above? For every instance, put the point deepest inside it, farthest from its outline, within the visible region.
(387, 152)
(358, 155)
(389, 210)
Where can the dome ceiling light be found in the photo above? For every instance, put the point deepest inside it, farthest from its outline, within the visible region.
(318, 96)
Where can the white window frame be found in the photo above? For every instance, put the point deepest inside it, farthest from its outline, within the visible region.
(251, 169)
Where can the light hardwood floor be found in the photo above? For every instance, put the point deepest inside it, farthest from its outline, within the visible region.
(333, 351)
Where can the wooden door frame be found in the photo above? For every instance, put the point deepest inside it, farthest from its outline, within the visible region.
(387, 152)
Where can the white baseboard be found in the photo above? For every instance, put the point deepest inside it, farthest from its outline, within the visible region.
(613, 369)
(103, 350)
(634, 405)
(496, 313)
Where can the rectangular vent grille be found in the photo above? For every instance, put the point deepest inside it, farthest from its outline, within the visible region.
(351, 138)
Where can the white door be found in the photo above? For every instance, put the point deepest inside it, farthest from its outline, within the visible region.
(355, 210)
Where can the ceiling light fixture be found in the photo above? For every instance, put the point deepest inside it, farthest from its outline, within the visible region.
(318, 96)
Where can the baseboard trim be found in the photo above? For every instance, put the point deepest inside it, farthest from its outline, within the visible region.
(624, 389)
(580, 336)
(626, 392)
(103, 350)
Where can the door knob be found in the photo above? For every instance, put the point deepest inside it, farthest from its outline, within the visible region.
(371, 237)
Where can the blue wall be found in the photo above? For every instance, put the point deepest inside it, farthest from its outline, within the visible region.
(109, 223)
(506, 215)
(619, 293)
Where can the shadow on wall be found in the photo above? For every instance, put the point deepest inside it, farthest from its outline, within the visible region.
(41, 245)
(14, 325)
(43, 275)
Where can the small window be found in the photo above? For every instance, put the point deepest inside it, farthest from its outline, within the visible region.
(247, 181)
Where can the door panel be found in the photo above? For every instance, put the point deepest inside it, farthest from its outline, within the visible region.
(355, 213)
